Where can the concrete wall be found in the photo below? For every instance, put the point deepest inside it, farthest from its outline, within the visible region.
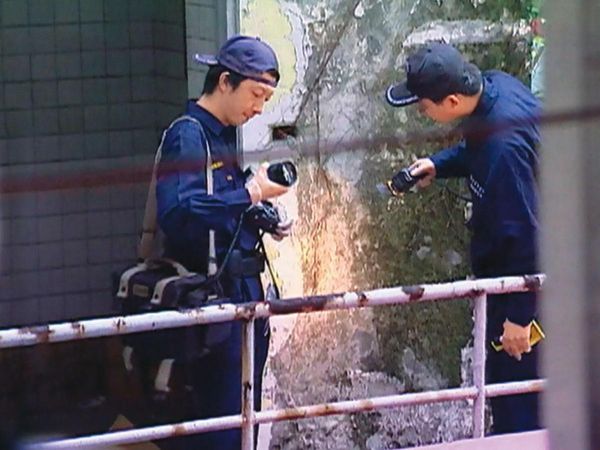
(337, 58)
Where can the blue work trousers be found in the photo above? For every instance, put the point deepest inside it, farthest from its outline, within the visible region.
(216, 389)
(511, 413)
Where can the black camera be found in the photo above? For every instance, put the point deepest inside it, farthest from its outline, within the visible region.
(400, 183)
(283, 173)
(264, 216)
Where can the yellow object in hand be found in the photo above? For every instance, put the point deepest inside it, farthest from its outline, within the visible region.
(537, 334)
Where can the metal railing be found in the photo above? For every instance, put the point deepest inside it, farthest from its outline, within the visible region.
(248, 312)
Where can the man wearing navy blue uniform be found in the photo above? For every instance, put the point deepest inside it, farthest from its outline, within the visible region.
(498, 157)
(240, 79)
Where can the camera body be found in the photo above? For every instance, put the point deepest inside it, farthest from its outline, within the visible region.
(264, 216)
(403, 180)
(400, 183)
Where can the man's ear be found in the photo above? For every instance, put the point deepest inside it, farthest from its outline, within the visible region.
(223, 81)
(453, 100)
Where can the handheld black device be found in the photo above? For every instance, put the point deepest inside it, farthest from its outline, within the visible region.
(400, 183)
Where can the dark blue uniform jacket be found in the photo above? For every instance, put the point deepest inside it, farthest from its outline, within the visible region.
(499, 159)
(185, 211)
(185, 214)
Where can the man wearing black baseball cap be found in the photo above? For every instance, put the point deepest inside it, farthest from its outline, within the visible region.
(241, 78)
(444, 84)
(498, 157)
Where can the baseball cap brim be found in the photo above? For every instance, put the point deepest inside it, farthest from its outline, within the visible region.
(207, 60)
(399, 95)
(211, 60)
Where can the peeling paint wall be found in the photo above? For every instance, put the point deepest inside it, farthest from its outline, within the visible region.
(278, 24)
(337, 58)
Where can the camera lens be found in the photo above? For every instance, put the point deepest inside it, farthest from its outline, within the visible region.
(283, 173)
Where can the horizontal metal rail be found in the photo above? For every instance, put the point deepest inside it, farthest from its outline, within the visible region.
(143, 434)
(85, 329)
(394, 401)
(301, 412)
(514, 388)
(476, 289)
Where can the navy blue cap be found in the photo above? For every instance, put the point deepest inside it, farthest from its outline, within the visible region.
(433, 72)
(246, 55)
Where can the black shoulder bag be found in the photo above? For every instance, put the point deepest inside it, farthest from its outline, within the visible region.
(157, 284)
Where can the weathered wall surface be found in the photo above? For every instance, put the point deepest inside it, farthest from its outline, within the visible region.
(338, 57)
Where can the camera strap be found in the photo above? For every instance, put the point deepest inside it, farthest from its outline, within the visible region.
(150, 222)
(271, 272)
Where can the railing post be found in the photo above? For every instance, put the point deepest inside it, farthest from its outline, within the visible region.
(479, 333)
(248, 384)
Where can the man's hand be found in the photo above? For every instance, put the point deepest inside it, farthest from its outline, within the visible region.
(515, 339)
(284, 229)
(261, 187)
(423, 166)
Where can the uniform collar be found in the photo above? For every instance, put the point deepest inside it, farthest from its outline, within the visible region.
(472, 125)
(488, 98)
(198, 112)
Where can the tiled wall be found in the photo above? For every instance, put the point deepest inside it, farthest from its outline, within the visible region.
(85, 85)
(203, 27)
